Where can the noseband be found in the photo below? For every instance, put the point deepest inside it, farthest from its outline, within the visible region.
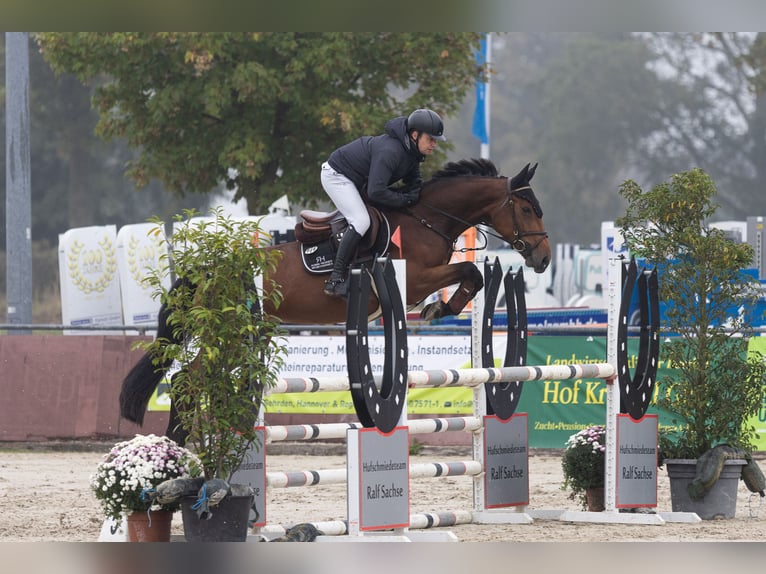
(525, 248)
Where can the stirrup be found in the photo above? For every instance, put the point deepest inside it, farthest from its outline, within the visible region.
(336, 288)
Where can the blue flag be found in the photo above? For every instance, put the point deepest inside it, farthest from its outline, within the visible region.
(480, 119)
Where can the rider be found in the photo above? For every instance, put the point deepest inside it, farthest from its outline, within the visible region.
(377, 162)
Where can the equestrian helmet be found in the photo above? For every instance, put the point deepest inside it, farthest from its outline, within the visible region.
(426, 121)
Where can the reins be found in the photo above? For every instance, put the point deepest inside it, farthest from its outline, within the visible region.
(425, 223)
(518, 243)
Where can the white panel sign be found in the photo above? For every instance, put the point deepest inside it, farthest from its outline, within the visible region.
(139, 249)
(90, 287)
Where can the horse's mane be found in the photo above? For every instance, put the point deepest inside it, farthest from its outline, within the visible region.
(464, 167)
(485, 168)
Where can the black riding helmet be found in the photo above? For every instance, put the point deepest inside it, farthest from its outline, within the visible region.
(427, 122)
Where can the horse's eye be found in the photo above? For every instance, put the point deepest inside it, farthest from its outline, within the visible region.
(526, 210)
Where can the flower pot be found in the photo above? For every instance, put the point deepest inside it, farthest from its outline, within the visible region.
(228, 521)
(595, 499)
(151, 526)
(719, 502)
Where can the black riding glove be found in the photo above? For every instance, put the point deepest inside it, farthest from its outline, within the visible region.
(412, 197)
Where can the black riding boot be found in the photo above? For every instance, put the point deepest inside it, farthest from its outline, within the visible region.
(336, 285)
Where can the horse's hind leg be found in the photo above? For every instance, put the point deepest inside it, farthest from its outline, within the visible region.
(471, 282)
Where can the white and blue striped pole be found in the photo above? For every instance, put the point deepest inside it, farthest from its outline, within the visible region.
(482, 111)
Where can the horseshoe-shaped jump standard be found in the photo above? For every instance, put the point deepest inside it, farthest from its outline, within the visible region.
(636, 392)
(503, 398)
(377, 408)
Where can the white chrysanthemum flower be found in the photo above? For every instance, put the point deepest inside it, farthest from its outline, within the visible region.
(133, 466)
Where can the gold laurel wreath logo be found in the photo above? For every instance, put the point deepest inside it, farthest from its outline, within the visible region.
(81, 261)
(139, 258)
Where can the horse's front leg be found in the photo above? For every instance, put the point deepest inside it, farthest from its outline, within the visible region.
(470, 282)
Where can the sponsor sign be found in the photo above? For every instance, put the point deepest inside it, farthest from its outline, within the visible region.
(506, 480)
(636, 461)
(380, 464)
(252, 472)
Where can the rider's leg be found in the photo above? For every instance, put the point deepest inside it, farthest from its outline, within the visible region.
(346, 198)
(336, 284)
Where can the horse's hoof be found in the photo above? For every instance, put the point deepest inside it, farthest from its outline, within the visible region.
(433, 311)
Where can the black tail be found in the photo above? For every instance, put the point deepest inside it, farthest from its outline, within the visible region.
(139, 384)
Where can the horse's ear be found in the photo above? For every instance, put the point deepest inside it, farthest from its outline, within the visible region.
(520, 178)
(531, 172)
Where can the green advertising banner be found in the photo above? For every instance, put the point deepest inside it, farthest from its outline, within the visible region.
(558, 409)
(759, 421)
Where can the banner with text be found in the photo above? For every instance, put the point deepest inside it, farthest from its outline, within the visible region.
(556, 409)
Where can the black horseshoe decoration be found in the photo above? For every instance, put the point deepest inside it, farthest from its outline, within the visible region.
(636, 391)
(629, 274)
(359, 289)
(377, 408)
(642, 383)
(516, 299)
(503, 398)
(493, 274)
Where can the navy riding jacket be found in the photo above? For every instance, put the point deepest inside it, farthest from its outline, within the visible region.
(379, 161)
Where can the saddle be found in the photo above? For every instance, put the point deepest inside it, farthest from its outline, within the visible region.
(319, 234)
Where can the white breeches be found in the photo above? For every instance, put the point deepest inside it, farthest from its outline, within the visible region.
(346, 198)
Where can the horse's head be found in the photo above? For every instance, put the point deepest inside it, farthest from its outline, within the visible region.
(470, 192)
(519, 220)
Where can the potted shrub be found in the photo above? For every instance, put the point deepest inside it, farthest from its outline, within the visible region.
(583, 467)
(128, 475)
(716, 386)
(228, 350)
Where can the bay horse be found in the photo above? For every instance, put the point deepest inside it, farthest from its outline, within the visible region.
(460, 196)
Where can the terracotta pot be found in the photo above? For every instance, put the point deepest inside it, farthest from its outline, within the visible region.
(152, 526)
(595, 498)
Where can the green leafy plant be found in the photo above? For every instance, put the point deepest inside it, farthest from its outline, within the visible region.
(715, 386)
(583, 462)
(229, 350)
(134, 468)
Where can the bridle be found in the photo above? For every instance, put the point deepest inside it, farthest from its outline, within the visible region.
(518, 243)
